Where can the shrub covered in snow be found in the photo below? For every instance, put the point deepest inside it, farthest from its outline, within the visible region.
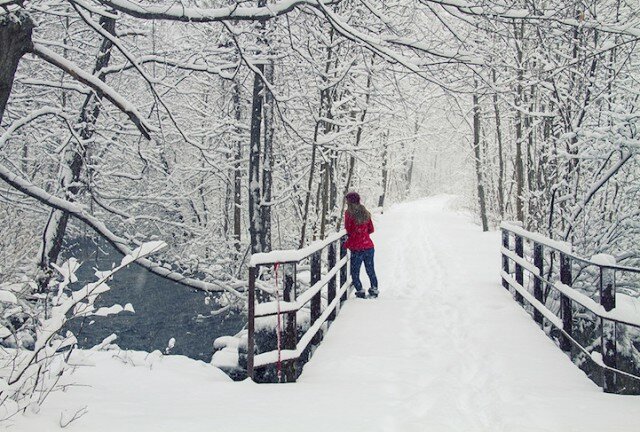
(36, 348)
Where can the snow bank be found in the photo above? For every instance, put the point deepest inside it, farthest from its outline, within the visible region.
(444, 348)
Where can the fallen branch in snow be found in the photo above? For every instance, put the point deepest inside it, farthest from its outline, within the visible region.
(66, 419)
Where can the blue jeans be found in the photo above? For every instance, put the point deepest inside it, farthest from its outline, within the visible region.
(366, 256)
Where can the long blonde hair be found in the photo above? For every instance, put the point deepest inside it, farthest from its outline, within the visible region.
(358, 212)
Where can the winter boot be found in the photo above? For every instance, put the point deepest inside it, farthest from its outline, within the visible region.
(361, 294)
(373, 292)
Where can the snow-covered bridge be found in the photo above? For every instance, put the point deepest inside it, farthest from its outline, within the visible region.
(444, 348)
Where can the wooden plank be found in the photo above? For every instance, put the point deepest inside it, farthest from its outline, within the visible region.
(538, 262)
(253, 272)
(271, 357)
(519, 268)
(316, 300)
(331, 287)
(565, 302)
(505, 260)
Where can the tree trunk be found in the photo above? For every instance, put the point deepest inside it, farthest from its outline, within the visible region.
(73, 164)
(15, 41)
(255, 195)
(478, 157)
(267, 170)
(519, 104)
(255, 225)
(385, 173)
(496, 109)
(237, 172)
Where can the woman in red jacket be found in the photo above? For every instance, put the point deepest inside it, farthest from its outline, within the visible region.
(357, 222)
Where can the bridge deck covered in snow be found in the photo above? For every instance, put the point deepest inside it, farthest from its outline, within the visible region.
(444, 348)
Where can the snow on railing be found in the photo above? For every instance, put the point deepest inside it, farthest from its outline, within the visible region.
(573, 304)
(294, 255)
(288, 355)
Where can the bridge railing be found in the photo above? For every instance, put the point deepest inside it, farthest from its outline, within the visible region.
(283, 301)
(574, 300)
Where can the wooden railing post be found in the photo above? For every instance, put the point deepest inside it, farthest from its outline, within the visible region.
(331, 287)
(253, 272)
(519, 269)
(316, 305)
(538, 261)
(343, 269)
(608, 340)
(607, 288)
(505, 260)
(565, 302)
(290, 326)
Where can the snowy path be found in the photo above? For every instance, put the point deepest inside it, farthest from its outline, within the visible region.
(444, 348)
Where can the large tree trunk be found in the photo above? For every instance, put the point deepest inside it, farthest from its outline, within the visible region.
(478, 164)
(255, 214)
(496, 109)
(15, 41)
(237, 172)
(385, 169)
(73, 164)
(255, 195)
(267, 169)
(519, 163)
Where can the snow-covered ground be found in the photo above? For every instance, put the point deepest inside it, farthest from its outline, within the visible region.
(444, 348)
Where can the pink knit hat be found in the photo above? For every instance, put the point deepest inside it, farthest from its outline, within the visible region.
(353, 198)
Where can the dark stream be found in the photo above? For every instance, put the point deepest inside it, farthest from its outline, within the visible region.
(163, 309)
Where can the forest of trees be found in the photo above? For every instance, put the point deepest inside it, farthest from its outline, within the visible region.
(230, 129)
(227, 127)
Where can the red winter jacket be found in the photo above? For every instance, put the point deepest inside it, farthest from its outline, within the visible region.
(358, 233)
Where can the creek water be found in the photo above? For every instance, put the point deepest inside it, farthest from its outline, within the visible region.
(163, 309)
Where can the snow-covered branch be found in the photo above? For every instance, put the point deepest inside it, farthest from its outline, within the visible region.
(101, 229)
(179, 12)
(100, 86)
(512, 13)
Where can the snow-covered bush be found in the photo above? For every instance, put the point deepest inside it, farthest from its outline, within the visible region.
(35, 347)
